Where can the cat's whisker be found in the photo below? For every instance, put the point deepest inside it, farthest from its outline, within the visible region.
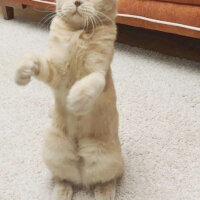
(62, 15)
(46, 16)
(50, 22)
(97, 20)
(67, 8)
(46, 19)
(105, 16)
(89, 15)
(86, 15)
(49, 18)
(87, 10)
(92, 25)
(85, 23)
(45, 11)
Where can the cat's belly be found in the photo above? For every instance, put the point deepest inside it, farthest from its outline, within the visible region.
(78, 126)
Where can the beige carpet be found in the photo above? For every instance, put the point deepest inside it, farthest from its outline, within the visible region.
(159, 106)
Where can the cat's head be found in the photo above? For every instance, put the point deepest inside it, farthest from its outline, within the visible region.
(84, 12)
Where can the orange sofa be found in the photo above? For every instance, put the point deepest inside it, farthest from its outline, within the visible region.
(173, 16)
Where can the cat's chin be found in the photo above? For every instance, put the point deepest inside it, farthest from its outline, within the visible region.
(76, 21)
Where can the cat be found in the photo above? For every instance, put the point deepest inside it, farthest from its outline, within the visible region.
(82, 146)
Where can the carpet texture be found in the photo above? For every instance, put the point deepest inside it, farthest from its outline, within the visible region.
(159, 106)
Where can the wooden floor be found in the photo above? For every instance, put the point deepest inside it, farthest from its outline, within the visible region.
(170, 44)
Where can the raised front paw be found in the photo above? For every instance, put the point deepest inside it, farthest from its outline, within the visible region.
(80, 100)
(27, 68)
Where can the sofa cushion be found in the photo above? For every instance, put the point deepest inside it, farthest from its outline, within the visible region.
(189, 2)
(180, 14)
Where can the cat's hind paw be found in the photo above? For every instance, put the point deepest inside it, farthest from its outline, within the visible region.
(105, 192)
(62, 191)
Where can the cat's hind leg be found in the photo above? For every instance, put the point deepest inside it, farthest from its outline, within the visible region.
(60, 156)
(105, 191)
(62, 191)
(102, 161)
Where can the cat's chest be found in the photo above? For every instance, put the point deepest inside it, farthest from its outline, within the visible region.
(68, 52)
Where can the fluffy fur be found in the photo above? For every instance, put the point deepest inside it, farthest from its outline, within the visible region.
(82, 145)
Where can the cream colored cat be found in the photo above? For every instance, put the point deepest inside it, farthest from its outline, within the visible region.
(82, 145)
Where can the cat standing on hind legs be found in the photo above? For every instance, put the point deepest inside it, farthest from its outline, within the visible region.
(82, 146)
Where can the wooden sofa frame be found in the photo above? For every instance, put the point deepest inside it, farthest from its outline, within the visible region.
(9, 5)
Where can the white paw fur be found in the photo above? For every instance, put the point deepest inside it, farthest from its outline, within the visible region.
(80, 100)
(84, 93)
(62, 191)
(107, 192)
(27, 68)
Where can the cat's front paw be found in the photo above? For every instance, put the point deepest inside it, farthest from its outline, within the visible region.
(80, 100)
(27, 68)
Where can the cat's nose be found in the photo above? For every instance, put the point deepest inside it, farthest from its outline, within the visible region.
(77, 3)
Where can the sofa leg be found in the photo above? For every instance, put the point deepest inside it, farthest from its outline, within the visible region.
(8, 12)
